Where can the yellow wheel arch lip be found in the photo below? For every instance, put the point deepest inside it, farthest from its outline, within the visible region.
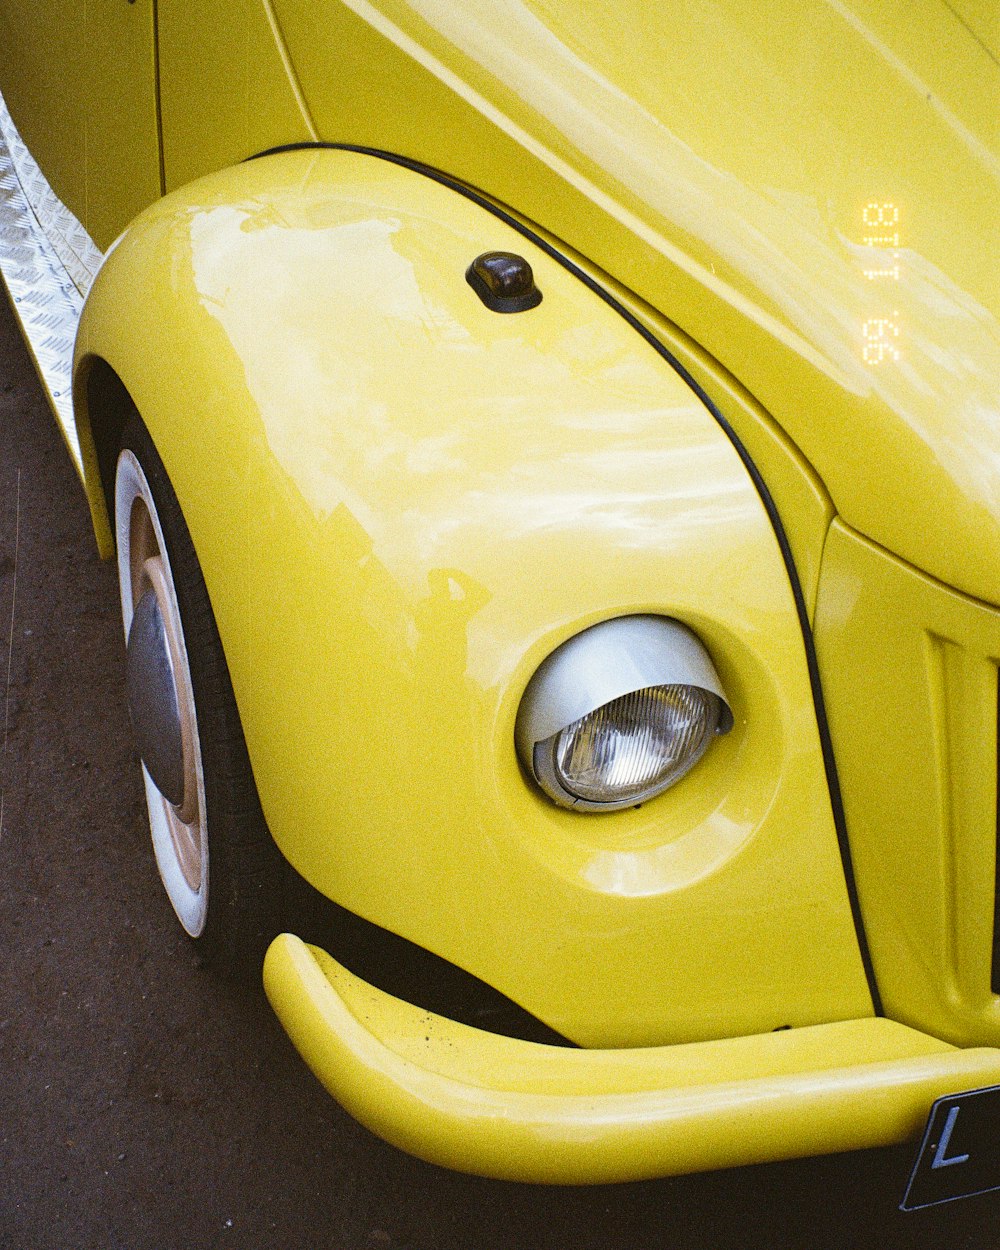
(517, 1110)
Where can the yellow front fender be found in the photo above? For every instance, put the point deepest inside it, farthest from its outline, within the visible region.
(402, 502)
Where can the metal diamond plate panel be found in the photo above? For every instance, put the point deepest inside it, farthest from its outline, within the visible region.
(48, 262)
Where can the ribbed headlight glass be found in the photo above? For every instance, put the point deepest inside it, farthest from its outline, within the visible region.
(633, 747)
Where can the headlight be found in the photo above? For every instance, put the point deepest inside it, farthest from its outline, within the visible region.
(619, 713)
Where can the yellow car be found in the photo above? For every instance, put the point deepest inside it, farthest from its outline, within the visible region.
(552, 457)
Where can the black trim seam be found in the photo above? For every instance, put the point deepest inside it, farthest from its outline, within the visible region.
(829, 762)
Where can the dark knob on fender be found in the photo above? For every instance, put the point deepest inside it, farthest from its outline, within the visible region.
(504, 282)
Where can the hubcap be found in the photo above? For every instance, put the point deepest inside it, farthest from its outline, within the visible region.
(152, 699)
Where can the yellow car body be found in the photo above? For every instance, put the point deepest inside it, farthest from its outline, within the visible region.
(759, 397)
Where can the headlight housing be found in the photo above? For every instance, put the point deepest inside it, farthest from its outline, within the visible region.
(620, 713)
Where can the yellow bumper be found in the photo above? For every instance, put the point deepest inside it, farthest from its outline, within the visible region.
(517, 1110)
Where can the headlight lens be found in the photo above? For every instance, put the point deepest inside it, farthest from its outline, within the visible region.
(619, 712)
(635, 746)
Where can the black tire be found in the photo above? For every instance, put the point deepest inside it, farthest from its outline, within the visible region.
(225, 879)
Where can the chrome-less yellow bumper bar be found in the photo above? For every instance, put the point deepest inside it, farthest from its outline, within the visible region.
(517, 1110)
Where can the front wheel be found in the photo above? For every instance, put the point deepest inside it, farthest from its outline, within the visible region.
(215, 857)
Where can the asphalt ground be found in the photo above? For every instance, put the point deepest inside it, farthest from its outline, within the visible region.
(144, 1103)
